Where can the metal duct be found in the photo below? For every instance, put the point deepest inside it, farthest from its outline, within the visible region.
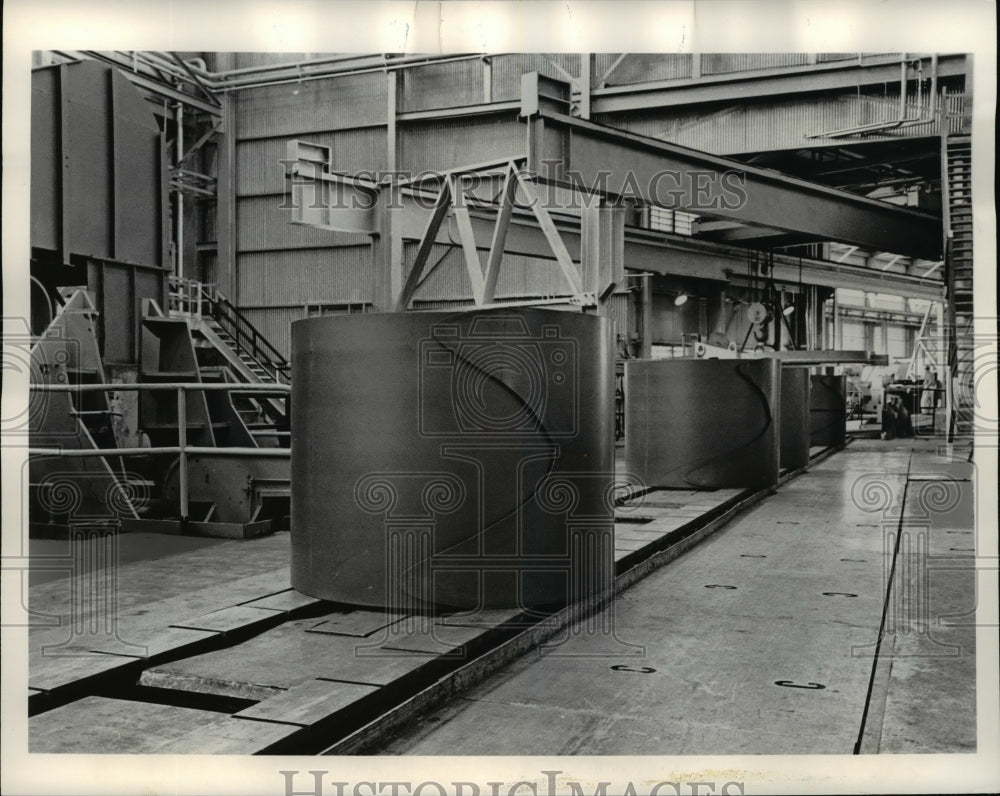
(827, 410)
(705, 423)
(453, 459)
(794, 425)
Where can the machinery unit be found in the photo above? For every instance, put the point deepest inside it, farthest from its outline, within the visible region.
(151, 394)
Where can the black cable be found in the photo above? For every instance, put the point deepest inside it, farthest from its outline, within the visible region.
(768, 420)
(481, 532)
(885, 611)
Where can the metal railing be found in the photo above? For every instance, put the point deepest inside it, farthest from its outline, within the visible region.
(182, 449)
(246, 336)
(185, 297)
(198, 300)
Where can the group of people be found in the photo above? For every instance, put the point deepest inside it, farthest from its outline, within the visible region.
(896, 421)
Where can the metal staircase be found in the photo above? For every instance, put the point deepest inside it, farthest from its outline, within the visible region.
(231, 349)
(959, 274)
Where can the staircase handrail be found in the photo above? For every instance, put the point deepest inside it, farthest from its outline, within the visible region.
(247, 337)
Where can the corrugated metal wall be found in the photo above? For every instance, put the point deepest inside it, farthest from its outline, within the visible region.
(259, 162)
(445, 144)
(280, 268)
(314, 106)
(446, 85)
(264, 225)
(720, 63)
(244, 60)
(774, 124)
(520, 277)
(339, 276)
(507, 70)
(275, 324)
(639, 68)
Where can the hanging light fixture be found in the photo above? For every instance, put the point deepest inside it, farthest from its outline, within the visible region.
(788, 310)
(681, 299)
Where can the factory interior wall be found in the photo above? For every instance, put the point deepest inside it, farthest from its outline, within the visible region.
(279, 272)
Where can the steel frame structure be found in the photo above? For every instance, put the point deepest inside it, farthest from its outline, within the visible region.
(602, 168)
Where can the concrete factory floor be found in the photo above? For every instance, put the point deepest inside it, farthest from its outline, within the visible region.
(761, 639)
(792, 592)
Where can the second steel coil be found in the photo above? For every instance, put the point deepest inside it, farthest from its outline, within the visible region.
(702, 423)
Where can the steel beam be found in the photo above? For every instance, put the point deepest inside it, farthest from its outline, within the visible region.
(498, 242)
(764, 83)
(622, 164)
(650, 251)
(335, 202)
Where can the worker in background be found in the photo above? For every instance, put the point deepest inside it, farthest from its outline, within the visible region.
(928, 398)
(889, 418)
(904, 425)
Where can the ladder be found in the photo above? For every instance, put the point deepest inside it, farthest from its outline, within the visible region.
(959, 276)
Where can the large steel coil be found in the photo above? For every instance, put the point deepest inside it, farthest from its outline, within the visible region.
(828, 410)
(795, 415)
(452, 459)
(702, 423)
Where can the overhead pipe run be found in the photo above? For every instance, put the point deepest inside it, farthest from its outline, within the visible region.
(902, 121)
(295, 72)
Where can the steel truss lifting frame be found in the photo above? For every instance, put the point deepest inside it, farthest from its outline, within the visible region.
(602, 167)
